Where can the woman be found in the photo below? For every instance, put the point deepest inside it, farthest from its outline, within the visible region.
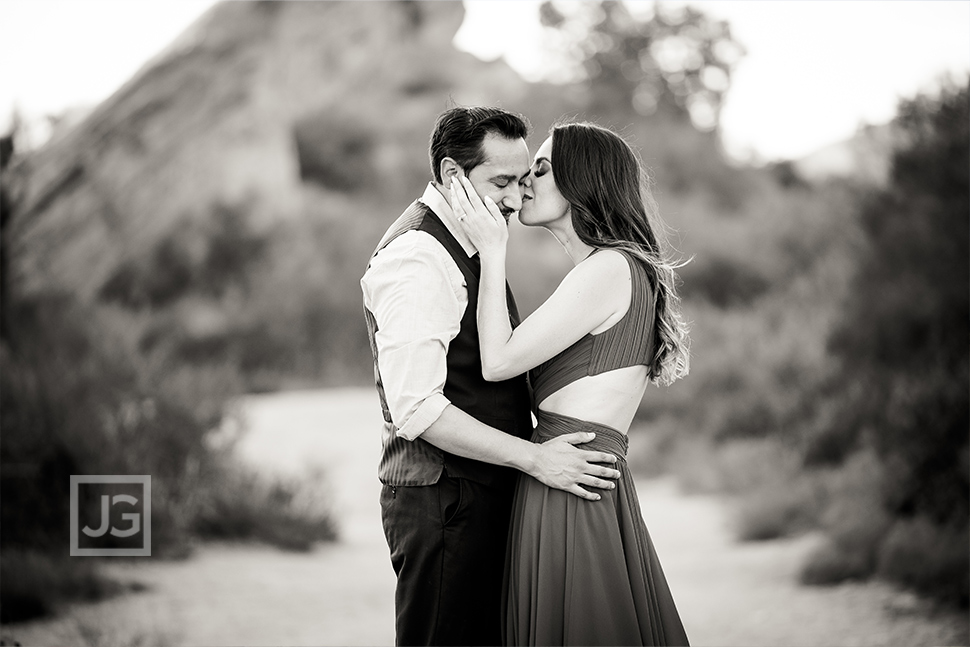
(579, 571)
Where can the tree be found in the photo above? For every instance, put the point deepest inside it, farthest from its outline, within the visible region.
(903, 343)
(672, 62)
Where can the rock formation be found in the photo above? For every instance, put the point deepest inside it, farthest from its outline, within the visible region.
(251, 103)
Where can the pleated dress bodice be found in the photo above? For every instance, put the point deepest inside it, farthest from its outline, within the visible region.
(629, 342)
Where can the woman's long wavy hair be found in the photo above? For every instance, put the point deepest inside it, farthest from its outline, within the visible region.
(601, 177)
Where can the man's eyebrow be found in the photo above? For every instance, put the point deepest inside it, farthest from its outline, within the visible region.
(508, 177)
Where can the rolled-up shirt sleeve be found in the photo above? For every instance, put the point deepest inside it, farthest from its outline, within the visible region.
(418, 297)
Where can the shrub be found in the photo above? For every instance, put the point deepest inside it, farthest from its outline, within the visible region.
(724, 283)
(775, 497)
(245, 506)
(747, 465)
(772, 496)
(831, 563)
(928, 558)
(780, 510)
(903, 388)
(163, 278)
(35, 584)
(334, 151)
(903, 342)
(77, 398)
(855, 520)
(202, 259)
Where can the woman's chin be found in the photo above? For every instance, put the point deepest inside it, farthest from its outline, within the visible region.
(524, 218)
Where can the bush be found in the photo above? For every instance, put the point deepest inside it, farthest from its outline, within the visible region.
(334, 151)
(928, 558)
(775, 497)
(204, 259)
(724, 283)
(855, 520)
(781, 510)
(76, 397)
(859, 365)
(903, 343)
(35, 584)
(903, 388)
(772, 496)
(831, 563)
(244, 506)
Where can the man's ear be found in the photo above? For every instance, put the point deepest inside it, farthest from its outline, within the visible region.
(449, 169)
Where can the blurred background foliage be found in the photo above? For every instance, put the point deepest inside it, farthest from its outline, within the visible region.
(201, 235)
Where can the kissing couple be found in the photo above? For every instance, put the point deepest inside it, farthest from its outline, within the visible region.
(502, 532)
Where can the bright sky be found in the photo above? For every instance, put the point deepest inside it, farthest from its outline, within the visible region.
(59, 54)
(814, 71)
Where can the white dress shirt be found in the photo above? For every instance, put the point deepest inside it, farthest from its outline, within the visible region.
(418, 296)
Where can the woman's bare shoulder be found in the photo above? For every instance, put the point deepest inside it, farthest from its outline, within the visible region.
(603, 267)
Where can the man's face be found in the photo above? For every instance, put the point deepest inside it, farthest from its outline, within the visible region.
(506, 165)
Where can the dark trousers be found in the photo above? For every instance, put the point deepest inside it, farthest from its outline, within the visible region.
(448, 544)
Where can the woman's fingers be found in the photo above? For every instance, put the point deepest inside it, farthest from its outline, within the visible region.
(484, 206)
(466, 198)
(481, 220)
(493, 208)
(459, 201)
(471, 195)
(456, 200)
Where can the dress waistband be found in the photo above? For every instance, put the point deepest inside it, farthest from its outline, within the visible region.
(607, 438)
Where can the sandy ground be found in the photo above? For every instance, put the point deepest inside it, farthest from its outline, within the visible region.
(342, 593)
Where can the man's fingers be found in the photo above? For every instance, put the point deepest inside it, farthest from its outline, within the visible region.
(585, 494)
(599, 457)
(580, 437)
(592, 481)
(603, 472)
(577, 437)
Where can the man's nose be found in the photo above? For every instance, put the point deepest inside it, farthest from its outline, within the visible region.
(513, 197)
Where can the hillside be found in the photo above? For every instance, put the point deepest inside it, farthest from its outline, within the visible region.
(865, 156)
(251, 101)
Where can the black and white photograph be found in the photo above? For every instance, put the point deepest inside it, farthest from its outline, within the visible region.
(485, 322)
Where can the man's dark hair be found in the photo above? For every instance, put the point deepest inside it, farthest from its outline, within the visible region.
(459, 133)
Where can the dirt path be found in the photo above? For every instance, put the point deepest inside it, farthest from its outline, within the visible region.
(342, 593)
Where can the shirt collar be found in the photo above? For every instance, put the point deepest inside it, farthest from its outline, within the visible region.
(436, 202)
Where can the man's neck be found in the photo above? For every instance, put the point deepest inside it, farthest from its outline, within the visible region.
(445, 193)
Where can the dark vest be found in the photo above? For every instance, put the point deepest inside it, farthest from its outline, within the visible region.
(502, 405)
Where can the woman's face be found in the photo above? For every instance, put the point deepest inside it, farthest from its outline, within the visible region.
(542, 202)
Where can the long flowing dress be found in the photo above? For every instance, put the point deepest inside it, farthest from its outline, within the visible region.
(586, 572)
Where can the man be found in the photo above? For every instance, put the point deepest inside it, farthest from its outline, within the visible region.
(450, 438)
